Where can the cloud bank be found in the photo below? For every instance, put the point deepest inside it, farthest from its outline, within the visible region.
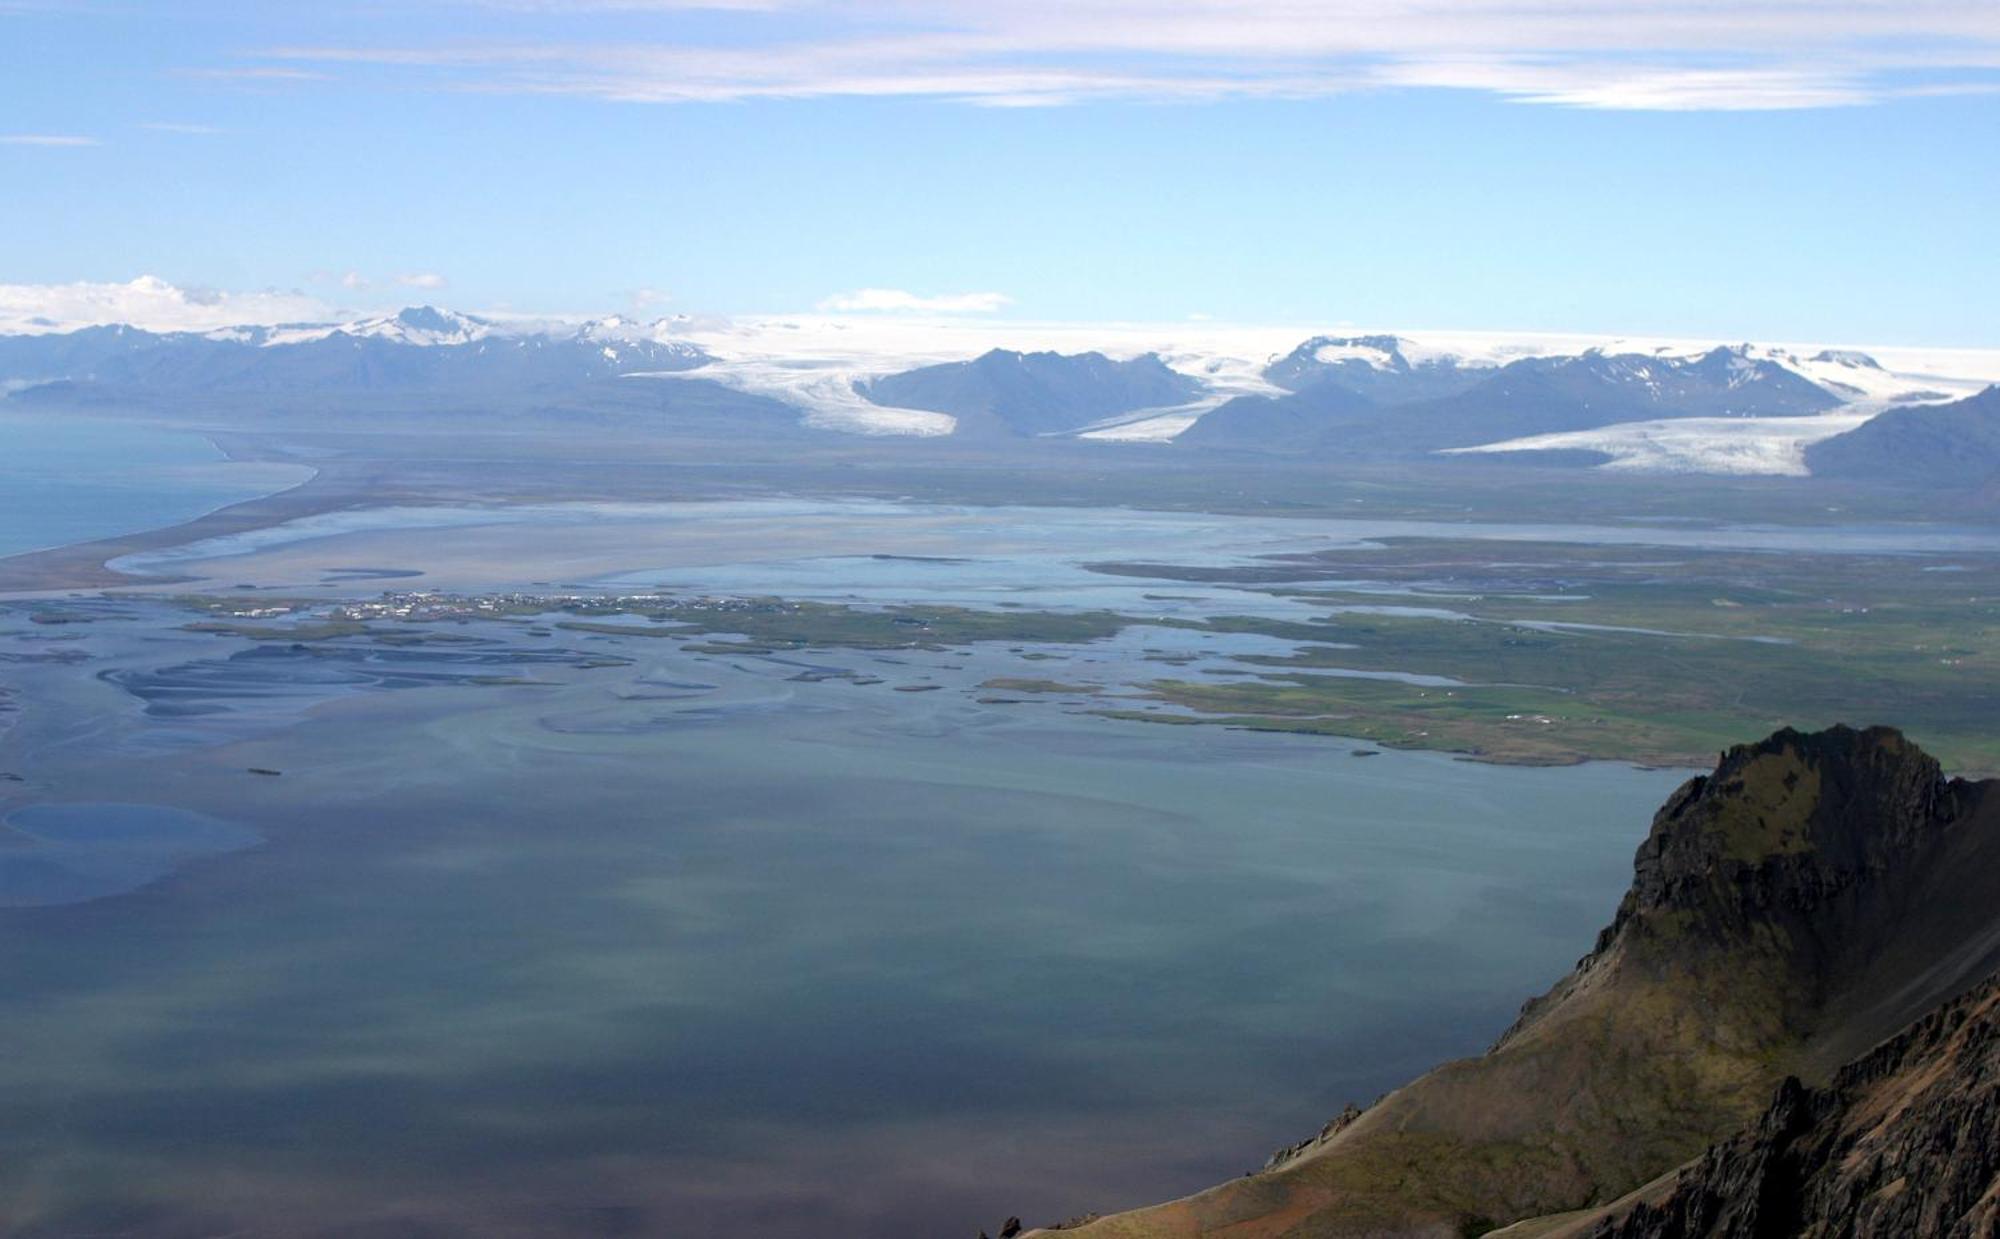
(896, 300)
(1620, 54)
(147, 302)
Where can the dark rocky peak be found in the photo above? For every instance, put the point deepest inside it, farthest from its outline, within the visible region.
(1388, 348)
(1801, 842)
(428, 318)
(1796, 878)
(1853, 359)
(1837, 804)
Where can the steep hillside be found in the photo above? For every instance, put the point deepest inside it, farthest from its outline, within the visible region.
(1905, 1141)
(1811, 896)
(1300, 422)
(1935, 445)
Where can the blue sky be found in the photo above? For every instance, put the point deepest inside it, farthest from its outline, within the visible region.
(1770, 169)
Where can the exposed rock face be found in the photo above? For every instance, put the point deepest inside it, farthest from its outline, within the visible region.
(1813, 895)
(1905, 1142)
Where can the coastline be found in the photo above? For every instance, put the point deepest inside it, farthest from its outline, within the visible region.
(82, 565)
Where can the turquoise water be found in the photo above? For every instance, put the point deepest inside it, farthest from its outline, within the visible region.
(66, 479)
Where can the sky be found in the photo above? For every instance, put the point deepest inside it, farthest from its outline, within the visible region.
(1764, 169)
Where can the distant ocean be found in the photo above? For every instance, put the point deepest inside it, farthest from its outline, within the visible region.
(66, 479)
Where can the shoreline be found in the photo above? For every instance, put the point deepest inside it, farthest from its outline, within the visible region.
(83, 565)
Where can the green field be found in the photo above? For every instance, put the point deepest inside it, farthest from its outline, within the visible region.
(1733, 644)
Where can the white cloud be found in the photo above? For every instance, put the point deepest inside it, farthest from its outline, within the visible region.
(429, 280)
(896, 300)
(148, 302)
(1639, 87)
(45, 139)
(354, 281)
(1632, 54)
(644, 299)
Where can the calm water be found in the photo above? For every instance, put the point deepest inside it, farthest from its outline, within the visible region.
(68, 853)
(689, 946)
(67, 479)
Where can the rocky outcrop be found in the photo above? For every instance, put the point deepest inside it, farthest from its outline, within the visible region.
(1811, 896)
(1905, 1142)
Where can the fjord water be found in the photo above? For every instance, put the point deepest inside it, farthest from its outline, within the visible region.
(66, 479)
(692, 947)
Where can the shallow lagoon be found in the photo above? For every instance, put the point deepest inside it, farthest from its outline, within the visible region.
(692, 946)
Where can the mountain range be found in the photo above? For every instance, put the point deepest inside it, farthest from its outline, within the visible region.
(1377, 396)
(1789, 1028)
(420, 348)
(1334, 408)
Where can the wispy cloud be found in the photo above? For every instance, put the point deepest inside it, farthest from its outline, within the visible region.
(1637, 54)
(427, 280)
(46, 139)
(896, 300)
(260, 73)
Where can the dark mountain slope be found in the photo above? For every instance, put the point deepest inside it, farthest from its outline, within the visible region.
(1811, 896)
(1940, 445)
(1300, 422)
(1549, 395)
(1008, 393)
(1905, 1142)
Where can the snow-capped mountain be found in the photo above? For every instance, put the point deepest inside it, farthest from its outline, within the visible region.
(1355, 396)
(1385, 369)
(420, 326)
(420, 347)
(1646, 405)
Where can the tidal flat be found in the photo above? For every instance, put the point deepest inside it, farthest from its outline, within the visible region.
(795, 867)
(1512, 641)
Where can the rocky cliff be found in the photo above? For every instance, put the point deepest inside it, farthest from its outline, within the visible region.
(1905, 1141)
(1811, 896)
